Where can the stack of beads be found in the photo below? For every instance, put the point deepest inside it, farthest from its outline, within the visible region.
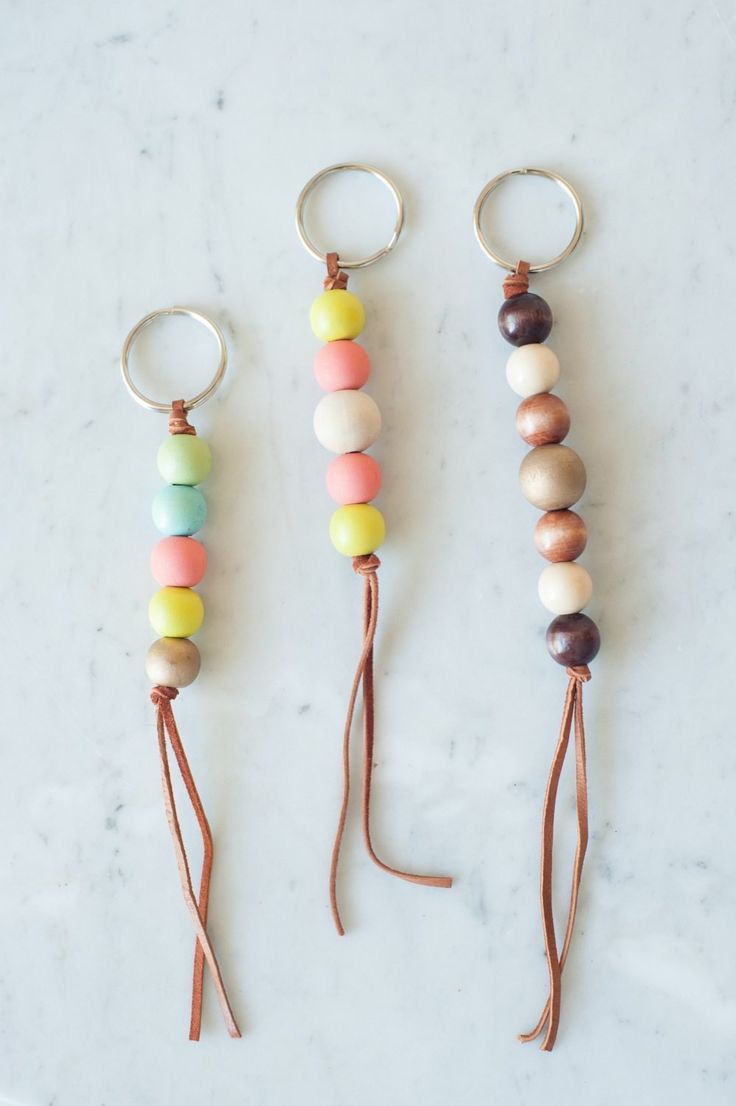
(347, 421)
(178, 561)
(552, 476)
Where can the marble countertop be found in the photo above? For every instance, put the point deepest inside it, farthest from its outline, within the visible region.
(152, 153)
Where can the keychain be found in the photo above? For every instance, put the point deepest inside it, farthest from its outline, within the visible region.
(178, 563)
(553, 479)
(347, 422)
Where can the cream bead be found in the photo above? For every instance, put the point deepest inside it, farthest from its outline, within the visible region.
(552, 477)
(532, 369)
(347, 421)
(565, 587)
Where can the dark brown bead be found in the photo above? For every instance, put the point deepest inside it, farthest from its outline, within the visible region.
(542, 419)
(524, 319)
(573, 639)
(560, 536)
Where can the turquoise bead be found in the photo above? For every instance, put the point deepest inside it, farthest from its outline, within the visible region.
(184, 459)
(179, 510)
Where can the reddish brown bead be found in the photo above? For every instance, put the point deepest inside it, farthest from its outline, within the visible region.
(542, 419)
(524, 319)
(560, 536)
(573, 639)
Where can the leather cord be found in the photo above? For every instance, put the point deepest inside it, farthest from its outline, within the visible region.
(367, 567)
(166, 727)
(572, 713)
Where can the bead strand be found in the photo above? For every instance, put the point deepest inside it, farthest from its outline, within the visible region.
(347, 421)
(552, 477)
(178, 561)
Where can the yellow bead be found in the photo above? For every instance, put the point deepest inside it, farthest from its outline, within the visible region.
(336, 315)
(357, 529)
(176, 612)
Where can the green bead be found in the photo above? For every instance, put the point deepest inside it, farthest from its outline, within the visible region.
(184, 459)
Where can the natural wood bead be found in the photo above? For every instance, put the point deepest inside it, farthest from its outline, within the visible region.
(524, 319)
(173, 662)
(552, 477)
(565, 587)
(573, 639)
(560, 536)
(532, 369)
(542, 419)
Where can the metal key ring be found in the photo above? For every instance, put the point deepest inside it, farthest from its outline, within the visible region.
(358, 167)
(189, 404)
(491, 187)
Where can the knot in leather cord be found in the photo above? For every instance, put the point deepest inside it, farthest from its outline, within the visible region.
(517, 283)
(366, 565)
(335, 278)
(161, 694)
(178, 422)
(581, 673)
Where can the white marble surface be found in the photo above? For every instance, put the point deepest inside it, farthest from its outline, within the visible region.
(151, 153)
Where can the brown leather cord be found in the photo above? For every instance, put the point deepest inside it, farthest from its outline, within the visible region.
(572, 711)
(178, 421)
(366, 566)
(166, 726)
(517, 283)
(335, 278)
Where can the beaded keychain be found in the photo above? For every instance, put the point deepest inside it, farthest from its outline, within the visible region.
(553, 479)
(347, 422)
(178, 563)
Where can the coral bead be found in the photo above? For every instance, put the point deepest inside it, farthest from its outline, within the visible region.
(531, 369)
(184, 459)
(560, 536)
(524, 319)
(565, 587)
(347, 421)
(340, 365)
(178, 562)
(336, 314)
(357, 529)
(573, 639)
(542, 419)
(176, 612)
(552, 477)
(353, 478)
(179, 510)
(173, 662)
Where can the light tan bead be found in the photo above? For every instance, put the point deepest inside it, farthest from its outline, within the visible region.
(173, 662)
(565, 588)
(552, 477)
(347, 421)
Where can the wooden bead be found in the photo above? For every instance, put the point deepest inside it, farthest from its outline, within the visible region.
(573, 639)
(176, 612)
(336, 315)
(565, 587)
(531, 369)
(542, 419)
(552, 477)
(347, 421)
(524, 319)
(560, 536)
(357, 529)
(173, 662)
(342, 364)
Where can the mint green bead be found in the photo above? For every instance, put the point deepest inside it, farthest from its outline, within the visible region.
(184, 459)
(179, 510)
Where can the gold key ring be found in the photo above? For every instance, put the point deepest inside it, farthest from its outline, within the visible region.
(201, 397)
(349, 167)
(540, 266)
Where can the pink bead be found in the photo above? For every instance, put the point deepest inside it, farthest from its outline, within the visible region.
(178, 562)
(353, 478)
(342, 364)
